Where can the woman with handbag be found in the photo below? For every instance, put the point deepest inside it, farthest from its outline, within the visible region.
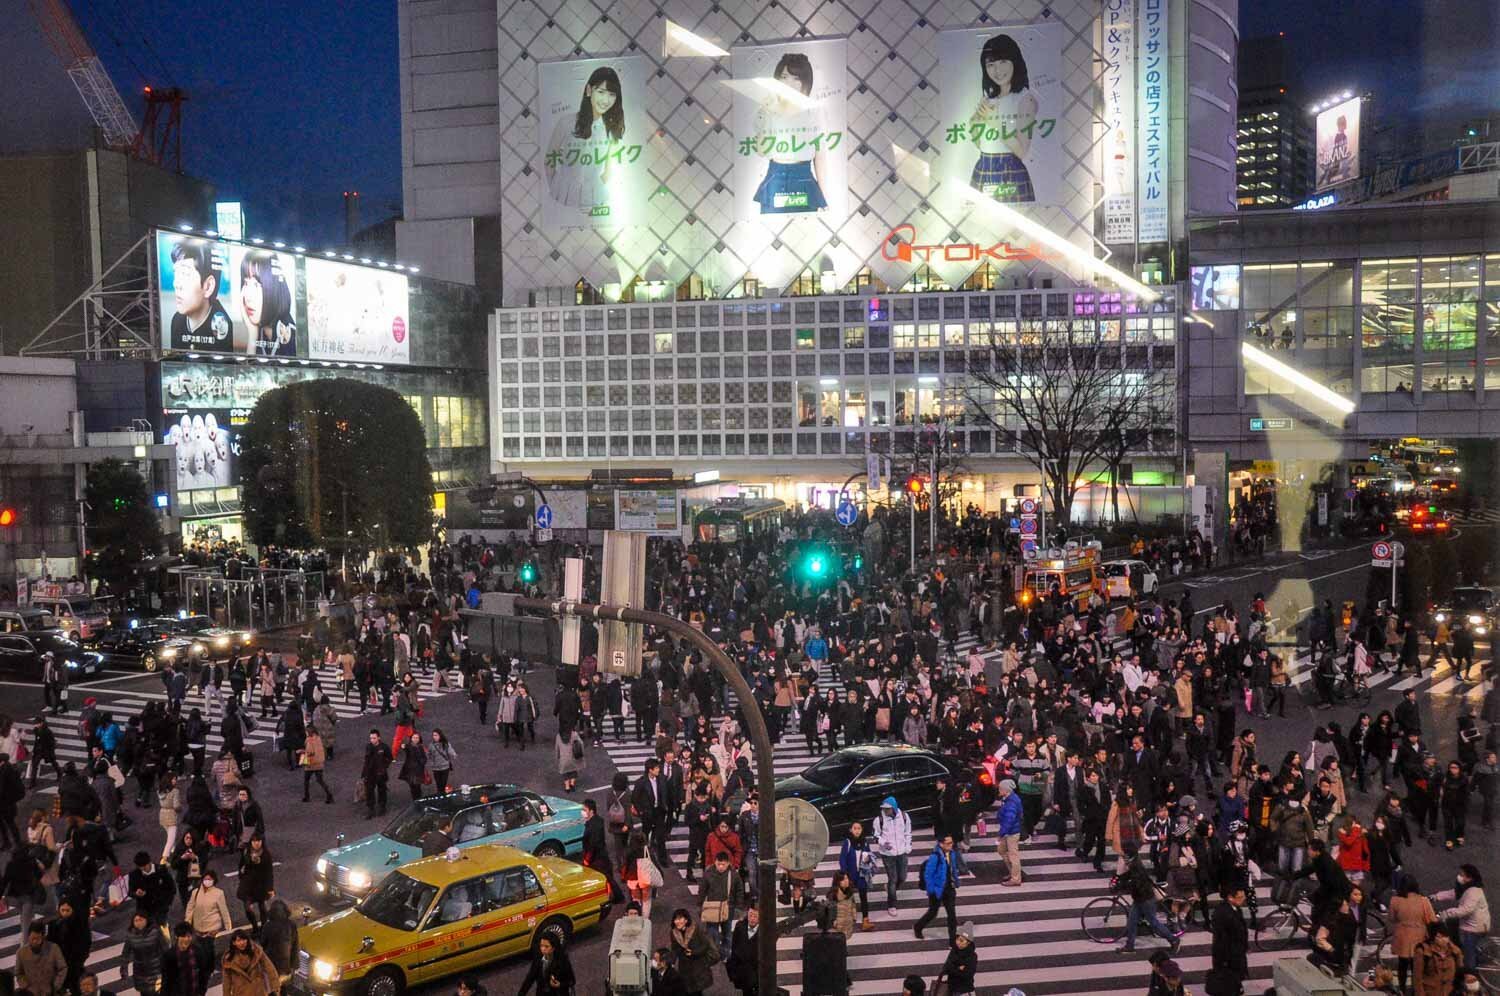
(957, 976)
(640, 873)
(314, 758)
(856, 859)
(693, 953)
(569, 756)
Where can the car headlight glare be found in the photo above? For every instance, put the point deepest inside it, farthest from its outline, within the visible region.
(359, 880)
(322, 865)
(222, 641)
(1475, 620)
(325, 971)
(1442, 617)
(168, 653)
(199, 648)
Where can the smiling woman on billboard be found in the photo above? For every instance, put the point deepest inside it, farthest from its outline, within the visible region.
(266, 304)
(792, 182)
(1008, 103)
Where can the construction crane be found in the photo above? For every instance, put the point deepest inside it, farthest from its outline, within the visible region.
(159, 140)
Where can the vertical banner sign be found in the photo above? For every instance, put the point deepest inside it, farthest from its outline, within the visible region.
(592, 131)
(791, 131)
(1119, 120)
(1155, 112)
(872, 472)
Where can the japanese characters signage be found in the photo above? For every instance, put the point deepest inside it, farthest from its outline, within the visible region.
(1153, 124)
(1001, 97)
(791, 136)
(1119, 121)
(1338, 144)
(356, 314)
(594, 135)
(647, 512)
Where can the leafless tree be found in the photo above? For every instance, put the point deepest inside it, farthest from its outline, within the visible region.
(1068, 402)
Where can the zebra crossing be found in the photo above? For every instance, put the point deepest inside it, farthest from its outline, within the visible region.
(1443, 680)
(108, 959)
(1029, 937)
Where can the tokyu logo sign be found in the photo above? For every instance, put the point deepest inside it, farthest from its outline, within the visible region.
(900, 245)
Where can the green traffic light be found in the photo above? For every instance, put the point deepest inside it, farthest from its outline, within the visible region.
(527, 573)
(815, 566)
(859, 562)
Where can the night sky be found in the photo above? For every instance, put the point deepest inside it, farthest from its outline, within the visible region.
(295, 102)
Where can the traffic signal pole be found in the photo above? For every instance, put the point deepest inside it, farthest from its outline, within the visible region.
(760, 738)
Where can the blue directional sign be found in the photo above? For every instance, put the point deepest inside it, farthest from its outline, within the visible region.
(848, 513)
(544, 516)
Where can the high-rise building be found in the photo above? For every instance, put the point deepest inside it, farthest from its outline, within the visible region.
(1275, 156)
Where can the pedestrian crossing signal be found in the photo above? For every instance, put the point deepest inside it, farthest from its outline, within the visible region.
(527, 574)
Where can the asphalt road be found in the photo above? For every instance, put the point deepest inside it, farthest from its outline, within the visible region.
(299, 832)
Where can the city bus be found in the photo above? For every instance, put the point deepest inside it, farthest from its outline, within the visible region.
(730, 520)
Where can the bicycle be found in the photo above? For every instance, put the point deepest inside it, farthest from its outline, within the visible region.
(1279, 927)
(1486, 966)
(1104, 920)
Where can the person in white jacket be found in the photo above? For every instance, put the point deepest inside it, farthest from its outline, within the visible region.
(892, 832)
(1472, 911)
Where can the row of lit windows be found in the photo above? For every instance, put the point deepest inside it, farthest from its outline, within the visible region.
(450, 421)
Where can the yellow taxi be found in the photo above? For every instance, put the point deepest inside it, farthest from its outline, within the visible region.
(447, 914)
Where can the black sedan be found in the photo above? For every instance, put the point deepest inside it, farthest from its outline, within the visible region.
(21, 654)
(218, 642)
(145, 645)
(849, 785)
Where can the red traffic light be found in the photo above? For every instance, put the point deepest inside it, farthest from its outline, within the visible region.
(7, 516)
(915, 485)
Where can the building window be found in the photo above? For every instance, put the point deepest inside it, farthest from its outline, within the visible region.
(1388, 299)
(1450, 322)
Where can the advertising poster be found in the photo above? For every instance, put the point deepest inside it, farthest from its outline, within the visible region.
(1338, 144)
(1001, 101)
(647, 511)
(1152, 128)
(218, 297)
(593, 131)
(791, 141)
(1216, 288)
(1119, 121)
(356, 314)
(208, 446)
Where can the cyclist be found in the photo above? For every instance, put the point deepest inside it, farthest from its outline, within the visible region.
(1136, 882)
(1332, 883)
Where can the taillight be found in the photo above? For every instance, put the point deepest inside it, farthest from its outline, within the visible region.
(985, 779)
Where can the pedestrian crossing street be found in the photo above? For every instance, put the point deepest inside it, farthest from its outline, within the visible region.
(124, 703)
(107, 958)
(1443, 680)
(1029, 937)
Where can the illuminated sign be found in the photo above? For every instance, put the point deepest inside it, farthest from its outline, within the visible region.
(229, 219)
(900, 244)
(1337, 144)
(1271, 424)
(1313, 203)
(1152, 127)
(1119, 119)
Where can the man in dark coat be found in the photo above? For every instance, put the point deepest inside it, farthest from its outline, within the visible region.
(648, 799)
(744, 958)
(152, 888)
(1231, 947)
(375, 773)
(184, 969)
(596, 849)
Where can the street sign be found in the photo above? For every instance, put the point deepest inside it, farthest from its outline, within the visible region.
(1381, 554)
(1028, 506)
(544, 536)
(1015, 524)
(1271, 424)
(544, 516)
(1028, 527)
(1028, 548)
(848, 513)
(801, 835)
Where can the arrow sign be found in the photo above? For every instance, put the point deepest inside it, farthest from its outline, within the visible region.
(847, 514)
(544, 516)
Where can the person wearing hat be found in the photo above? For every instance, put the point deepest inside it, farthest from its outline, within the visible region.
(1010, 817)
(962, 963)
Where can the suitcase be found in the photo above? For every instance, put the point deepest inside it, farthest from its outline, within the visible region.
(629, 969)
(825, 965)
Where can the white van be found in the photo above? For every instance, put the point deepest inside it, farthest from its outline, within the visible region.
(80, 617)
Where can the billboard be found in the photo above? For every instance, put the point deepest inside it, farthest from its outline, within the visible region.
(1001, 100)
(356, 313)
(208, 446)
(223, 297)
(1153, 124)
(653, 511)
(791, 142)
(1216, 288)
(594, 133)
(1338, 144)
(1119, 121)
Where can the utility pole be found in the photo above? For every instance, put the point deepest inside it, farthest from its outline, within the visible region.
(760, 738)
(932, 498)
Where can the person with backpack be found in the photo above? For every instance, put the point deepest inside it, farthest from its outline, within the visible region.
(892, 842)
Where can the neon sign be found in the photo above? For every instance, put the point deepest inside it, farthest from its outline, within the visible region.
(900, 245)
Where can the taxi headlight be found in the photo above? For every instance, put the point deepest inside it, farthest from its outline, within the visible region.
(199, 648)
(322, 866)
(1441, 617)
(325, 971)
(168, 653)
(1475, 619)
(222, 641)
(245, 637)
(359, 880)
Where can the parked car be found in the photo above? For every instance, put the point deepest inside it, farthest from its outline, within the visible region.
(448, 914)
(26, 619)
(1129, 578)
(481, 814)
(848, 785)
(21, 654)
